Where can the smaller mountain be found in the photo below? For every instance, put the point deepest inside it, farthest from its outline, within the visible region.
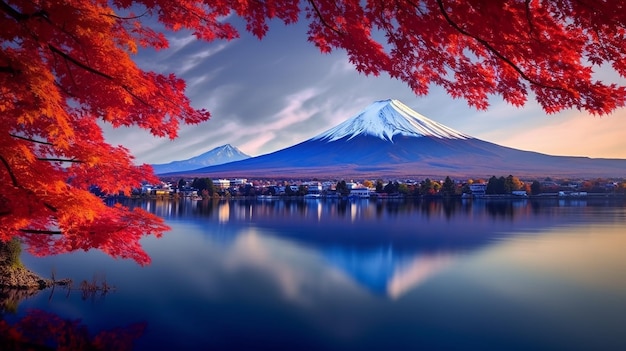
(220, 155)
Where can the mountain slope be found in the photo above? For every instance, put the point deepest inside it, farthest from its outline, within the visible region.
(387, 118)
(219, 155)
(388, 139)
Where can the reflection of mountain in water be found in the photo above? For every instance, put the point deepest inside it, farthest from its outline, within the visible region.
(384, 271)
(385, 247)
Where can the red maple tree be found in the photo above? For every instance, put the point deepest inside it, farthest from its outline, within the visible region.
(66, 65)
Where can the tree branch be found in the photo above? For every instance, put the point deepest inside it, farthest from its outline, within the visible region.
(17, 184)
(319, 15)
(493, 50)
(50, 207)
(9, 69)
(31, 140)
(59, 160)
(18, 16)
(529, 19)
(45, 143)
(8, 167)
(78, 63)
(125, 18)
(90, 69)
(12, 12)
(35, 231)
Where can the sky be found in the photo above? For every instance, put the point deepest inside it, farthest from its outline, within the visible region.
(265, 95)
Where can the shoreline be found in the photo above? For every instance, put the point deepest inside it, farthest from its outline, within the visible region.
(542, 196)
(20, 283)
(14, 275)
(22, 278)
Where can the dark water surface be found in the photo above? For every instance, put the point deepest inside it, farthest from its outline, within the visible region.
(364, 275)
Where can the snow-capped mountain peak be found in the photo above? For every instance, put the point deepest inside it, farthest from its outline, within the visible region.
(227, 151)
(219, 155)
(385, 119)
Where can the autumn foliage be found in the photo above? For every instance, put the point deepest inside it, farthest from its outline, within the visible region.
(40, 330)
(66, 67)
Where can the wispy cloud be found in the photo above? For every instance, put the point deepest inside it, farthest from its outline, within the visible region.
(195, 59)
(270, 94)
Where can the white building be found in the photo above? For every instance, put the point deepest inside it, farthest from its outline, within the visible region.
(328, 186)
(238, 181)
(360, 193)
(313, 187)
(221, 183)
(478, 189)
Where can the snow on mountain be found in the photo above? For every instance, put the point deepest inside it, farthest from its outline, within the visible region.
(388, 139)
(385, 119)
(219, 155)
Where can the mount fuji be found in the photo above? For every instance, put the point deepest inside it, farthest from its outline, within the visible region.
(219, 155)
(389, 139)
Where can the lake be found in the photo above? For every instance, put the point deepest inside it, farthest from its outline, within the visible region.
(359, 275)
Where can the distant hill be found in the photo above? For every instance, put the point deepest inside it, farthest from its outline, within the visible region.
(388, 139)
(219, 155)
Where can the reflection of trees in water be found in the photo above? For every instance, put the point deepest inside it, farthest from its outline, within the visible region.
(342, 207)
(206, 207)
(535, 206)
(393, 207)
(10, 298)
(426, 207)
(450, 207)
(40, 330)
(380, 207)
(210, 207)
(503, 209)
(297, 205)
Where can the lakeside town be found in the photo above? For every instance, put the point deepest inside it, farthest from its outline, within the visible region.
(494, 187)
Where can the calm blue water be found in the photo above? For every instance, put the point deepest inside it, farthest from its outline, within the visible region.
(365, 275)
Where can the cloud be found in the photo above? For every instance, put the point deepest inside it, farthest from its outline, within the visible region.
(270, 94)
(288, 266)
(197, 58)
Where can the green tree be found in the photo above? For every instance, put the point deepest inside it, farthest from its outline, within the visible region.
(303, 190)
(466, 187)
(198, 183)
(211, 187)
(342, 188)
(436, 187)
(10, 252)
(403, 189)
(496, 186)
(512, 184)
(391, 187)
(448, 188)
(204, 186)
(379, 186)
(427, 187)
(535, 188)
(289, 191)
